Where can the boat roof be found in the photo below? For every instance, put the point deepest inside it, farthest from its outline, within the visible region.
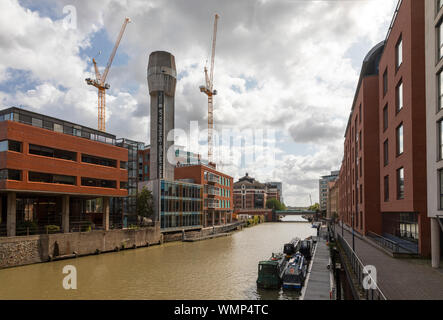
(270, 262)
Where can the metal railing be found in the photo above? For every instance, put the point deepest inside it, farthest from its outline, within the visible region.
(384, 242)
(391, 245)
(357, 269)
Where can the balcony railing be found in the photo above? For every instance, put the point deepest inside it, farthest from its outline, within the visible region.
(213, 204)
(213, 178)
(213, 191)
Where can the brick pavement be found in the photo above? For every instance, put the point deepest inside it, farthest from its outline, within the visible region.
(399, 279)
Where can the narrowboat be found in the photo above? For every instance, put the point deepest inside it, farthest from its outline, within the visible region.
(295, 272)
(270, 272)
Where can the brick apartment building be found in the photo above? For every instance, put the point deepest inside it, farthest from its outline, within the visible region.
(359, 203)
(383, 174)
(54, 172)
(218, 204)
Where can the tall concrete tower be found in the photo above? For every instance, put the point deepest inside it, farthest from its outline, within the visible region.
(162, 79)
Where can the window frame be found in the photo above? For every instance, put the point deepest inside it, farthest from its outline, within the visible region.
(397, 136)
(400, 186)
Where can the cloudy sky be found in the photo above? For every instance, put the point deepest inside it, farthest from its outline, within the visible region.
(285, 67)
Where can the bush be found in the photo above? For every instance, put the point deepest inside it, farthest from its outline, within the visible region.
(52, 228)
(23, 226)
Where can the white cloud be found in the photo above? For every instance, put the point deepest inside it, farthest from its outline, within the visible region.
(293, 53)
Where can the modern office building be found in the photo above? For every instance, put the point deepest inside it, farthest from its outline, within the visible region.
(274, 190)
(323, 189)
(434, 123)
(56, 173)
(218, 196)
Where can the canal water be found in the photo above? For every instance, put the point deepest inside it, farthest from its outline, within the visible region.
(222, 268)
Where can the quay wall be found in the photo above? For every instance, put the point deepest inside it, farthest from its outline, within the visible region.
(16, 251)
(178, 235)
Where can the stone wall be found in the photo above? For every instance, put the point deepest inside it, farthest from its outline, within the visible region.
(15, 251)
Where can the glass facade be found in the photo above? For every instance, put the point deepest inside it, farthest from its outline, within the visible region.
(53, 124)
(181, 205)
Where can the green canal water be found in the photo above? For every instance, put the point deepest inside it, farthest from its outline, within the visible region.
(222, 268)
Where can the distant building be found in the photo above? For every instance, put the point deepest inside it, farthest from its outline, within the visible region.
(323, 189)
(218, 204)
(274, 190)
(333, 199)
(249, 193)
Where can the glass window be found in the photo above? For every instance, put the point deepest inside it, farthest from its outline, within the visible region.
(48, 125)
(440, 39)
(10, 145)
(123, 165)
(401, 183)
(399, 53)
(385, 82)
(440, 91)
(52, 153)
(37, 122)
(385, 118)
(68, 129)
(99, 161)
(51, 178)
(58, 127)
(440, 139)
(400, 139)
(25, 118)
(440, 173)
(386, 189)
(399, 96)
(10, 174)
(386, 152)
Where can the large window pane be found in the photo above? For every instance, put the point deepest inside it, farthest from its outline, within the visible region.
(440, 91)
(385, 117)
(440, 139)
(440, 40)
(399, 53)
(400, 139)
(400, 96)
(401, 183)
(386, 152)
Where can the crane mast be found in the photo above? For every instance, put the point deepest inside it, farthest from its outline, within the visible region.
(208, 90)
(100, 80)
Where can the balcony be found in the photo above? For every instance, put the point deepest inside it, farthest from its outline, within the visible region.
(212, 178)
(213, 204)
(213, 191)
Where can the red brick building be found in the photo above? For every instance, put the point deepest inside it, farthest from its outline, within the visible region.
(359, 204)
(218, 198)
(402, 118)
(383, 173)
(52, 172)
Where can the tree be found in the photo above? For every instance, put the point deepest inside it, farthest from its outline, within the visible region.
(315, 207)
(274, 204)
(145, 204)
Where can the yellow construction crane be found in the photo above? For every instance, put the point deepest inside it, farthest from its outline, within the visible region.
(208, 90)
(100, 83)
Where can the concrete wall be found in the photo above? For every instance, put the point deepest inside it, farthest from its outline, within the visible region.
(432, 116)
(15, 251)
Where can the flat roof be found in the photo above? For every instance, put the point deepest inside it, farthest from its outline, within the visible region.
(40, 116)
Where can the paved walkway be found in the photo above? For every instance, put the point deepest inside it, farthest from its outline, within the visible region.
(318, 285)
(399, 279)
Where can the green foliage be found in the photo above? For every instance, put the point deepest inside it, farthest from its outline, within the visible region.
(254, 221)
(23, 226)
(52, 228)
(274, 204)
(315, 207)
(145, 203)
